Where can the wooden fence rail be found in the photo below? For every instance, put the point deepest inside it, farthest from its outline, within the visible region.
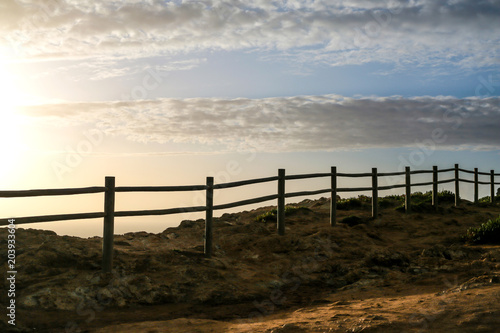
(43, 193)
(110, 190)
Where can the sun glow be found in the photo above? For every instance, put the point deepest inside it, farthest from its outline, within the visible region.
(12, 146)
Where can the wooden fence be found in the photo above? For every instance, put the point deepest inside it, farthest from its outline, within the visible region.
(110, 189)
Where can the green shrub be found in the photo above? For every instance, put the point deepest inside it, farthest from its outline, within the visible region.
(272, 215)
(388, 203)
(419, 197)
(353, 203)
(422, 202)
(364, 198)
(348, 204)
(395, 197)
(401, 208)
(421, 207)
(486, 233)
(267, 216)
(445, 196)
(484, 201)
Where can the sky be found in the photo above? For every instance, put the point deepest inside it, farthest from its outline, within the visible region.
(170, 92)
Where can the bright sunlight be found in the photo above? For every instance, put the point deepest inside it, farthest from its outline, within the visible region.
(11, 130)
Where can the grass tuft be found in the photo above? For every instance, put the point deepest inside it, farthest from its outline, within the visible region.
(273, 213)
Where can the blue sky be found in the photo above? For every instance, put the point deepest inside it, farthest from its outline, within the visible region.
(164, 92)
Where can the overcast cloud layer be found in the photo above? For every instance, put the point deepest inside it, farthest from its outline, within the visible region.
(463, 33)
(300, 123)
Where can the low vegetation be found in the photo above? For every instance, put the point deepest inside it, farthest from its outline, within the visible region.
(419, 201)
(272, 214)
(486, 201)
(486, 233)
(352, 203)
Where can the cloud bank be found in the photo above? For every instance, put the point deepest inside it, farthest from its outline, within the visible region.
(463, 33)
(302, 123)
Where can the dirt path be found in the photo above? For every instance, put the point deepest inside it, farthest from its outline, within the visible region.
(474, 310)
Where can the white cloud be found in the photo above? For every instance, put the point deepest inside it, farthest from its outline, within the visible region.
(422, 32)
(100, 69)
(301, 123)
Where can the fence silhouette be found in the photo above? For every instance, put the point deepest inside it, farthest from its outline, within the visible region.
(110, 189)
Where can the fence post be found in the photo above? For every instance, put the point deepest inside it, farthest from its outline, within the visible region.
(208, 217)
(333, 201)
(476, 185)
(492, 179)
(408, 190)
(109, 221)
(435, 186)
(281, 202)
(457, 186)
(374, 193)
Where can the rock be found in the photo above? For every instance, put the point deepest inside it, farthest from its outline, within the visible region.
(495, 279)
(190, 224)
(435, 251)
(30, 301)
(49, 298)
(122, 243)
(172, 235)
(275, 284)
(493, 255)
(217, 263)
(287, 328)
(454, 252)
(417, 270)
(386, 258)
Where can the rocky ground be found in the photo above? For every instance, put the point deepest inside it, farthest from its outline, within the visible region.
(396, 273)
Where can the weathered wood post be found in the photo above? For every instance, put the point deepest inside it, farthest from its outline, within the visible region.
(209, 217)
(374, 193)
(281, 202)
(476, 185)
(435, 186)
(109, 225)
(457, 186)
(408, 190)
(333, 194)
(492, 180)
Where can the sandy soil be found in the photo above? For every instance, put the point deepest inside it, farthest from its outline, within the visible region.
(396, 273)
